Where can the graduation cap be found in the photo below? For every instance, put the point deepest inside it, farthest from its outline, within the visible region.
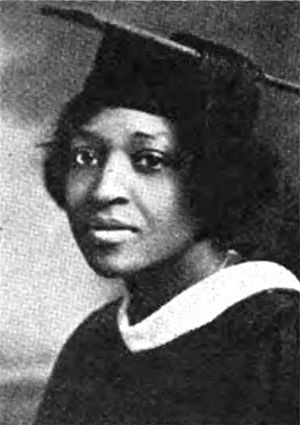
(176, 77)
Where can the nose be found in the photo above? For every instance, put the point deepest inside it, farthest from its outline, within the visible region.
(113, 183)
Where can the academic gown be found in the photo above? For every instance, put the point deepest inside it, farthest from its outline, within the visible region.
(237, 364)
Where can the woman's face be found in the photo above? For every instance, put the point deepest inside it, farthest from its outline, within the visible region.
(124, 198)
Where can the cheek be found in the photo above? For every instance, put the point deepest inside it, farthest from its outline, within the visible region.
(77, 189)
(161, 202)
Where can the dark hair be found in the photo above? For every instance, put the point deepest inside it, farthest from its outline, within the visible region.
(229, 176)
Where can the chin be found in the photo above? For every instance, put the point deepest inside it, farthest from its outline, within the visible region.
(113, 268)
(120, 263)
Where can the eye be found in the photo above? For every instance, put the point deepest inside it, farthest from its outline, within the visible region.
(84, 157)
(150, 160)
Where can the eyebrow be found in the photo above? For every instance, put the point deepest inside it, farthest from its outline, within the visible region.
(89, 135)
(137, 139)
(140, 136)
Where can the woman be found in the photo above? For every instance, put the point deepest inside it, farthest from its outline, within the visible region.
(157, 167)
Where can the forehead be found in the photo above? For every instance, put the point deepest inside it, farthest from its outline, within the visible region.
(120, 124)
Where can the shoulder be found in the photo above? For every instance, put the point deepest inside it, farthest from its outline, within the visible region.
(87, 347)
(266, 304)
(258, 295)
(274, 309)
(265, 318)
(246, 359)
(263, 336)
(97, 329)
(83, 356)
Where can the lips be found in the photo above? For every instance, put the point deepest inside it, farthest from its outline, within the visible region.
(110, 231)
(110, 224)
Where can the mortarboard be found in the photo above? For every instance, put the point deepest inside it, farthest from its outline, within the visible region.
(174, 77)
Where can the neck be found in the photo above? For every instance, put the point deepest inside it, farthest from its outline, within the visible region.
(152, 288)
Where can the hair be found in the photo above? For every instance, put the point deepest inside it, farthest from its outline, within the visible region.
(230, 178)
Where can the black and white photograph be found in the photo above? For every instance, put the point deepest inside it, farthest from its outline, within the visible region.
(149, 213)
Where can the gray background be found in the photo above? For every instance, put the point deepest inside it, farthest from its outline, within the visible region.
(45, 288)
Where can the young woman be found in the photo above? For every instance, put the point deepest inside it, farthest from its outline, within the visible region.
(157, 167)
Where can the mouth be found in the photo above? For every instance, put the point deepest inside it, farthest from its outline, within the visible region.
(110, 237)
(110, 231)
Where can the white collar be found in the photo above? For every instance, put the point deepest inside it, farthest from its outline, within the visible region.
(202, 303)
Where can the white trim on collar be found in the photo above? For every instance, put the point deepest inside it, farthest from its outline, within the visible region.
(203, 302)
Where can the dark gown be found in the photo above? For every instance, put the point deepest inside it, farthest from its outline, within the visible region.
(241, 368)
